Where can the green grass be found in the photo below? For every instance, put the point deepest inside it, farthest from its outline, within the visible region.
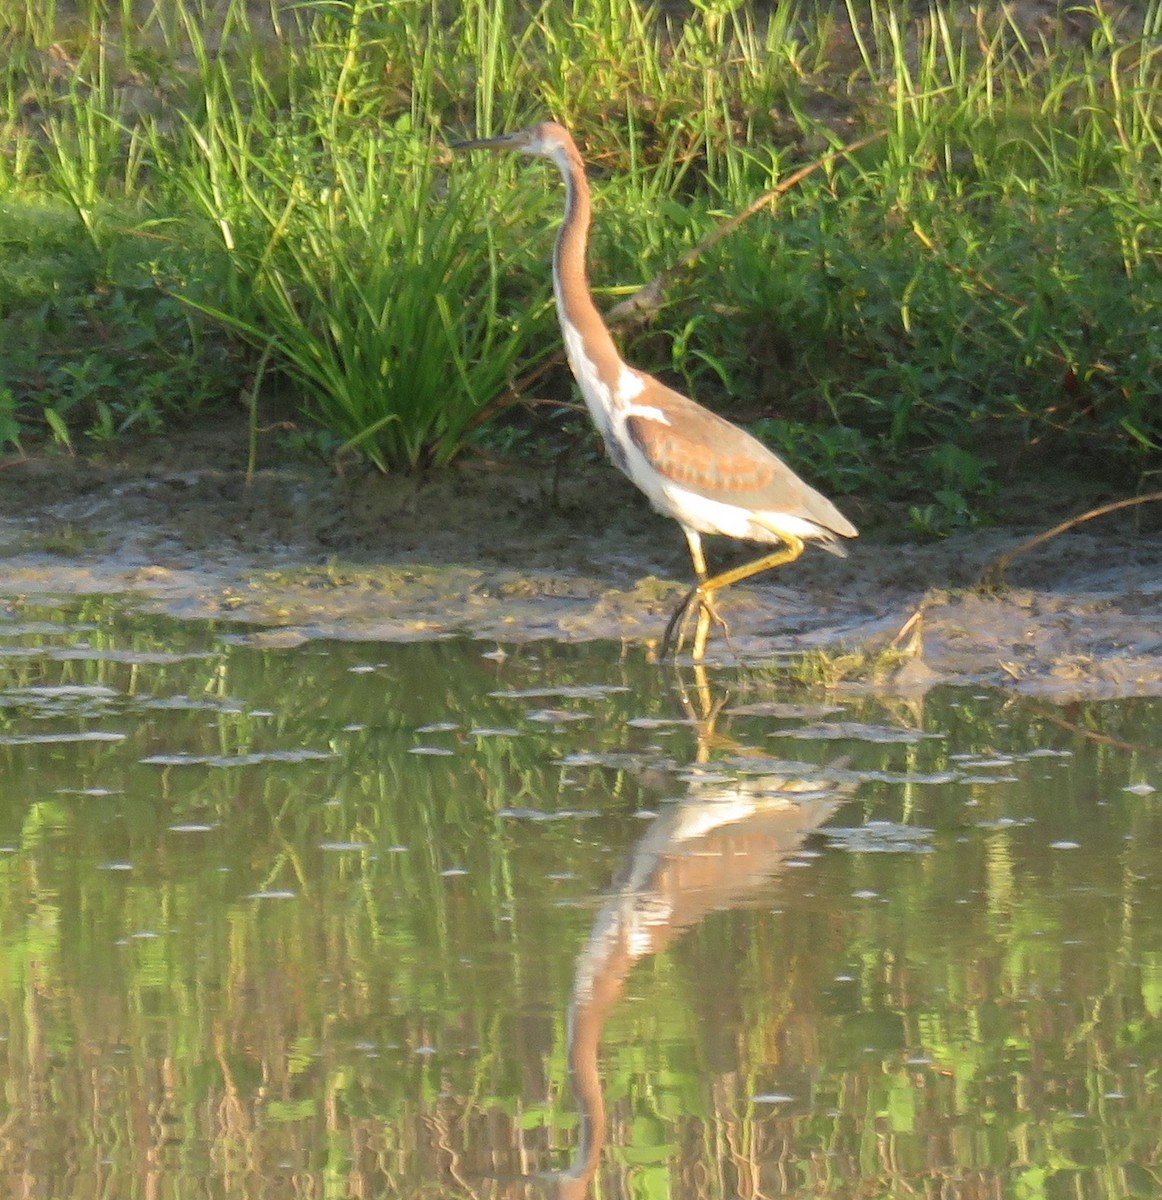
(94, 338)
(190, 200)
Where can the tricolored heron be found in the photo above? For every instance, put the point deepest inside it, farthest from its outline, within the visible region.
(692, 464)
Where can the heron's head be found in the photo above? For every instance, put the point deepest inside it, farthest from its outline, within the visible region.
(546, 140)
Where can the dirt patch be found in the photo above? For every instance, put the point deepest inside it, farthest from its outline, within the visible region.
(514, 554)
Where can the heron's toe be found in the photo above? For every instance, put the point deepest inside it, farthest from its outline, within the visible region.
(697, 599)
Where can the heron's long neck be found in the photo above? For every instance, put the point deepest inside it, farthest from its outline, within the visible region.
(584, 331)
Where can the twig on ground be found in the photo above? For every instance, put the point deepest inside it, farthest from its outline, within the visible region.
(993, 574)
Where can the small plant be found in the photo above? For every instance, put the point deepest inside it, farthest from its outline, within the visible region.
(10, 426)
(844, 666)
(106, 351)
(956, 479)
(381, 301)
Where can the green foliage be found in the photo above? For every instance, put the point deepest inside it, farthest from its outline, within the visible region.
(985, 276)
(92, 340)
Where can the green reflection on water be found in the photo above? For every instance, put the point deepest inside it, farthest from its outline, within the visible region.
(312, 921)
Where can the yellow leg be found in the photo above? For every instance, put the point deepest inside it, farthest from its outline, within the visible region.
(785, 554)
(702, 630)
(702, 595)
(702, 709)
(679, 621)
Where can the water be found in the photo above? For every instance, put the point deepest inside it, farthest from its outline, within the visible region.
(353, 920)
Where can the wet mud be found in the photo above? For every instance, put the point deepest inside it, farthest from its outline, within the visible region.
(514, 553)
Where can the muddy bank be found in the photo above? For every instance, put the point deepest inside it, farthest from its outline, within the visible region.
(513, 554)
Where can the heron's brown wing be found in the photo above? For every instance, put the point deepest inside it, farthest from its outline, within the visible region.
(699, 450)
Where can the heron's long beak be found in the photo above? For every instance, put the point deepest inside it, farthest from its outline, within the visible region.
(504, 141)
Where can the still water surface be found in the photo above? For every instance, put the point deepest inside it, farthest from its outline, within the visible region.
(427, 920)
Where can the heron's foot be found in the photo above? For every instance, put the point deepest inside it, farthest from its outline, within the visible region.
(696, 600)
(677, 625)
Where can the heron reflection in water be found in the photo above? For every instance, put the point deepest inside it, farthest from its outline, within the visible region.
(715, 849)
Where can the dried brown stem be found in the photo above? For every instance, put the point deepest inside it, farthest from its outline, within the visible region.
(648, 299)
(993, 574)
(967, 272)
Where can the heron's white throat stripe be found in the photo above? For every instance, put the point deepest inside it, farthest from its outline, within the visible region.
(649, 412)
(629, 385)
(583, 366)
(596, 388)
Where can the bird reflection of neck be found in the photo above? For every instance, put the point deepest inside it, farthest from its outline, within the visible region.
(593, 997)
(714, 850)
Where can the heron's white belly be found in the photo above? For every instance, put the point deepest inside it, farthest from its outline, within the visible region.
(707, 516)
(728, 520)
